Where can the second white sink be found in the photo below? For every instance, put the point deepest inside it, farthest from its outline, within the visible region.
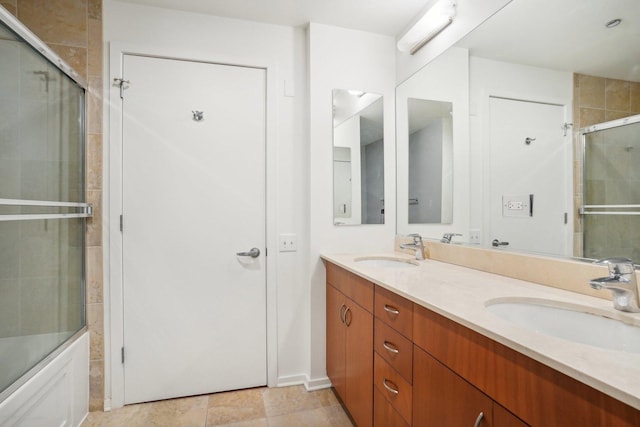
(572, 323)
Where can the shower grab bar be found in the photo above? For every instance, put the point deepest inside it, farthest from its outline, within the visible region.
(87, 210)
(584, 211)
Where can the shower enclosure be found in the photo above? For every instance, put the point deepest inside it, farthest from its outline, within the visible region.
(42, 205)
(611, 189)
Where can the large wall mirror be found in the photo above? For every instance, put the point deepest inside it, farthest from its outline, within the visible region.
(540, 74)
(430, 161)
(358, 158)
(432, 129)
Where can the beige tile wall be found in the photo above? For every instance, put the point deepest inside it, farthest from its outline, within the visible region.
(596, 100)
(73, 29)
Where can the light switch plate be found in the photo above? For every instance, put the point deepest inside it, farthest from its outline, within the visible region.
(288, 242)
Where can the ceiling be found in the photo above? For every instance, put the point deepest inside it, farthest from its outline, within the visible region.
(388, 17)
(567, 35)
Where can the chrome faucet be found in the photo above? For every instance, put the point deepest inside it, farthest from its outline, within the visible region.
(417, 245)
(622, 282)
(446, 237)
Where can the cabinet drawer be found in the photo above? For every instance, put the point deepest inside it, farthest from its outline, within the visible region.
(395, 349)
(355, 287)
(395, 311)
(395, 389)
(383, 413)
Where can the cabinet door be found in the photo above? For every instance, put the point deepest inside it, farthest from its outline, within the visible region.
(504, 418)
(442, 398)
(359, 364)
(336, 335)
(384, 415)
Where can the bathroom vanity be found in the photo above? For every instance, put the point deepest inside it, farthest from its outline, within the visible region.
(417, 346)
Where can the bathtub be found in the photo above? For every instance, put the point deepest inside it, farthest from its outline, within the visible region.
(56, 391)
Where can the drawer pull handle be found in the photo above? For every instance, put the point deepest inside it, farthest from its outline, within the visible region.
(341, 312)
(347, 311)
(390, 347)
(386, 385)
(479, 419)
(391, 309)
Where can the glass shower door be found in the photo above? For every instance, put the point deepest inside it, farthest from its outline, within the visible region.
(42, 208)
(611, 209)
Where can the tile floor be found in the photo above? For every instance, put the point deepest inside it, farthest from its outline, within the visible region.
(257, 407)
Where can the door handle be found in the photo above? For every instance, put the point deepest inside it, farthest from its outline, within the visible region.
(253, 253)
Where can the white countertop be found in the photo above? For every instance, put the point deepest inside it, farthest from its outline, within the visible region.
(461, 294)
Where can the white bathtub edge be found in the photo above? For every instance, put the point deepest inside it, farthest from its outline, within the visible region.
(57, 395)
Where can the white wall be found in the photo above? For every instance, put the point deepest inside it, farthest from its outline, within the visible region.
(213, 37)
(343, 59)
(494, 78)
(469, 14)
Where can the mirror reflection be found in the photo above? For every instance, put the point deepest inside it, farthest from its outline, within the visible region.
(358, 158)
(611, 208)
(432, 132)
(430, 161)
(546, 85)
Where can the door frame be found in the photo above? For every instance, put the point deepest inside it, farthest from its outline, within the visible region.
(113, 283)
(567, 105)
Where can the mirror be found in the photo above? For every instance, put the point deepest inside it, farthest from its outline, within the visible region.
(568, 60)
(432, 129)
(358, 158)
(430, 161)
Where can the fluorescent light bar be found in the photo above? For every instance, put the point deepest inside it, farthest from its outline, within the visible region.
(436, 19)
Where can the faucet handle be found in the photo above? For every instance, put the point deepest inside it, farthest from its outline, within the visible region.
(446, 237)
(416, 237)
(617, 265)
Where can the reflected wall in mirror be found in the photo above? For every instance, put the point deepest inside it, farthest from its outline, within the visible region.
(432, 128)
(358, 158)
(571, 62)
(430, 161)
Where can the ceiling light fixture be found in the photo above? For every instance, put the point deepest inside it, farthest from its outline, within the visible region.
(436, 19)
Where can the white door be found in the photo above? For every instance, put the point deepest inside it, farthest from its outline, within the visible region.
(193, 197)
(529, 182)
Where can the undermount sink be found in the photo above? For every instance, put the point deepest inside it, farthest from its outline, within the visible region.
(571, 322)
(386, 262)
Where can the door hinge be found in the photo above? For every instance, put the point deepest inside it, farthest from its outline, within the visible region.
(121, 223)
(121, 84)
(122, 355)
(266, 252)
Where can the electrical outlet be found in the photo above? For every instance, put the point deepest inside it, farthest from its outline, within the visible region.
(288, 242)
(474, 236)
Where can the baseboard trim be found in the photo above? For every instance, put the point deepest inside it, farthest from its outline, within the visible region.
(317, 384)
(309, 384)
(291, 380)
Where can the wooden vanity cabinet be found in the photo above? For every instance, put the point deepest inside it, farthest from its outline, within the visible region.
(440, 373)
(350, 342)
(442, 398)
(537, 394)
(393, 358)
